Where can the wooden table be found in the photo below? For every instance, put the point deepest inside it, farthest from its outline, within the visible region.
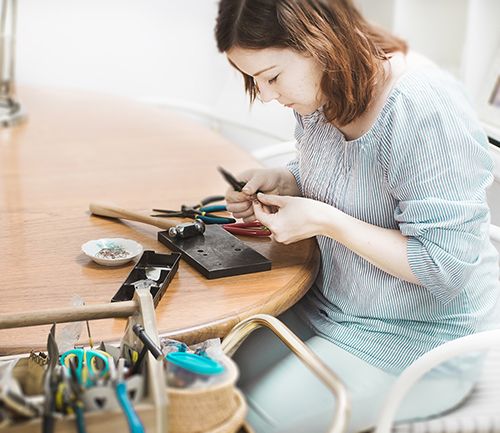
(78, 147)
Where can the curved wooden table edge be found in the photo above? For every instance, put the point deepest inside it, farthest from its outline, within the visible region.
(274, 304)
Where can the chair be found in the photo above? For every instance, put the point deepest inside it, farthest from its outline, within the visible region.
(236, 336)
(480, 412)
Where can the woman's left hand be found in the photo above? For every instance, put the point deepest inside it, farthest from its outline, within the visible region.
(290, 219)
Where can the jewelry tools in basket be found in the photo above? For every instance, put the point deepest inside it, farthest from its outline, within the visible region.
(91, 365)
(51, 382)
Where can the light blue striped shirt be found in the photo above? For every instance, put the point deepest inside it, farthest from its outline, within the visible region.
(422, 168)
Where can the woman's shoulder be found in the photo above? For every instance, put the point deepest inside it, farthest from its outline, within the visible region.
(422, 80)
(426, 91)
(428, 106)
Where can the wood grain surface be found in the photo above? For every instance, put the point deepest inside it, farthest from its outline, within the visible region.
(79, 147)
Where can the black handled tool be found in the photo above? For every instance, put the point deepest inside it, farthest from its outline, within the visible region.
(231, 180)
(146, 340)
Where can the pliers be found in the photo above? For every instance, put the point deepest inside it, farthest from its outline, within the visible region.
(236, 184)
(199, 211)
(51, 381)
(71, 394)
(248, 229)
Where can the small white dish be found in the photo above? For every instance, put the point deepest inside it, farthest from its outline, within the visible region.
(112, 252)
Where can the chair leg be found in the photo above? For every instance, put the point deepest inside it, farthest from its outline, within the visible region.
(236, 336)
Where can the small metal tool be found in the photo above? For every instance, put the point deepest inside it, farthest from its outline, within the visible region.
(146, 283)
(187, 230)
(91, 366)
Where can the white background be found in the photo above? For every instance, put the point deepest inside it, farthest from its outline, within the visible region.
(163, 52)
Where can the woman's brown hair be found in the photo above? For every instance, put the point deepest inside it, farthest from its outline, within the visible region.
(349, 49)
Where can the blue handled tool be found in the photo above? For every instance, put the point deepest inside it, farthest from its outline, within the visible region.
(200, 211)
(133, 419)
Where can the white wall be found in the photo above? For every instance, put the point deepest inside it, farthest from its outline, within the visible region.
(163, 51)
(138, 48)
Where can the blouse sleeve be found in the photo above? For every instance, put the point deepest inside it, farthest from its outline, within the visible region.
(438, 168)
(293, 165)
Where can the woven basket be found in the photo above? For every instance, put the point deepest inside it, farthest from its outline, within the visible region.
(219, 408)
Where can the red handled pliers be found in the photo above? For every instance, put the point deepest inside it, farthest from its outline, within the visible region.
(247, 229)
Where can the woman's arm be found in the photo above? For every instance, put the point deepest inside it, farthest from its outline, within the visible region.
(294, 219)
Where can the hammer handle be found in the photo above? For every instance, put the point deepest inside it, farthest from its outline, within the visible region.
(112, 210)
(69, 314)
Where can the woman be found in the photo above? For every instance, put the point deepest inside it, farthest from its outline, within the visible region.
(391, 179)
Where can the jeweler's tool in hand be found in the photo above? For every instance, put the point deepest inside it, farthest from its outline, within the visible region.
(247, 229)
(199, 211)
(236, 184)
(231, 180)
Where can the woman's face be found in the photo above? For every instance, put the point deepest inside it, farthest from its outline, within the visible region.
(284, 75)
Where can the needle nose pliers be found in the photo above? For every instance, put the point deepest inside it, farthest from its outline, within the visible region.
(200, 211)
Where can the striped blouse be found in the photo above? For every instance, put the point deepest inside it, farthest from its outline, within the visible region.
(422, 168)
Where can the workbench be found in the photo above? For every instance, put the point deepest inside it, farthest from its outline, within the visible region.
(78, 147)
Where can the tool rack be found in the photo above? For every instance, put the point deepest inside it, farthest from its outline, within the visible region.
(152, 410)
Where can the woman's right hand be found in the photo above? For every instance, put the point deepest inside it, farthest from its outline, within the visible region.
(278, 181)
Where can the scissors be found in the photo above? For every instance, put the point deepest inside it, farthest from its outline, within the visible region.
(92, 364)
(248, 229)
(200, 211)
